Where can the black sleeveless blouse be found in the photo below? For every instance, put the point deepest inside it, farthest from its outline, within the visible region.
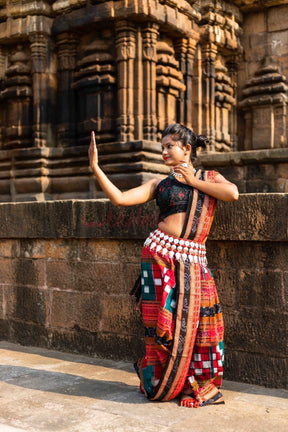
(172, 197)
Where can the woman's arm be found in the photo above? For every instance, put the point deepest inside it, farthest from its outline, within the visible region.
(138, 195)
(222, 189)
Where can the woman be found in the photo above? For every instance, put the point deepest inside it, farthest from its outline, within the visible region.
(180, 308)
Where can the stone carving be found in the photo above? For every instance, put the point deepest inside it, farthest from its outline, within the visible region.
(16, 100)
(224, 101)
(95, 86)
(169, 84)
(66, 44)
(126, 70)
(126, 53)
(149, 42)
(265, 105)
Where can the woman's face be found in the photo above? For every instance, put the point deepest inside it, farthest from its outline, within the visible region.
(172, 151)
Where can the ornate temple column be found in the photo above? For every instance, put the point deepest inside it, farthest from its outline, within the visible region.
(224, 101)
(169, 85)
(185, 49)
(149, 40)
(126, 53)
(209, 52)
(2, 76)
(16, 97)
(232, 66)
(66, 121)
(39, 49)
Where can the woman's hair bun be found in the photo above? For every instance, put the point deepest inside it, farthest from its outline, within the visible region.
(201, 141)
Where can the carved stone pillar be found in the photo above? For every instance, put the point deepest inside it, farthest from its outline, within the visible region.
(2, 75)
(149, 40)
(185, 50)
(224, 101)
(232, 65)
(94, 82)
(169, 85)
(209, 52)
(16, 97)
(126, 53)
(66, 44)
(39, 49)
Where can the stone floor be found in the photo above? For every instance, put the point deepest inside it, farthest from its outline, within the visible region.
(49, 391)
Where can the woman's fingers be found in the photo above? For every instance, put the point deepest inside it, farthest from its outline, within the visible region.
(93, 137)
(92, 152)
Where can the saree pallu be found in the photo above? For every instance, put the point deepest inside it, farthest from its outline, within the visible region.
(181, 313)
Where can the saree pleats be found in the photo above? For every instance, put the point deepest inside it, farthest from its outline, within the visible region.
(180, 309)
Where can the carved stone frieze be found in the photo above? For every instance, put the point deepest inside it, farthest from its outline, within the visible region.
(126, 69)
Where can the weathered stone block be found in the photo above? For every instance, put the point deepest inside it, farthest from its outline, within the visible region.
(130, 251)
(261, 289)
(100, 250)
(277, 18)
(249, 255)
(256, 331)
(29, 272)
(62, 249)
(102, 219)
(9, 248)
(254, 368)
(277, 41)
(78, 341)
(4, 330)
(128, 347)
(28, 333)
(260, 222)
(27, 304)
(254, 23)
(42, 219)
(75, 311)
(226, 283)
(7, 271)
(119, 315)
(285, 275)
(2, 314)
(85, 276)
(131, 273)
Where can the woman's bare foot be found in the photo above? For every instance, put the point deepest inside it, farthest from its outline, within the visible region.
(207, 395)
(188, 401)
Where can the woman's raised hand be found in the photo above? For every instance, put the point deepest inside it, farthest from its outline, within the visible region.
(92, 152)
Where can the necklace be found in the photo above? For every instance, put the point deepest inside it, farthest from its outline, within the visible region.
(180, 175)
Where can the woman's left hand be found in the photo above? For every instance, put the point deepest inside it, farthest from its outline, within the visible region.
(187, 172)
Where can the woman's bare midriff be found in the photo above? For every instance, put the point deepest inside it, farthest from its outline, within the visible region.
(173, 224)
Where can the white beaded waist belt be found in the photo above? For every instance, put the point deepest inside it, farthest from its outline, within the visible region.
(179, 248)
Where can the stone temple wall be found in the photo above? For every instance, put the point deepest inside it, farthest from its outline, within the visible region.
(65, 278)
(127, 69)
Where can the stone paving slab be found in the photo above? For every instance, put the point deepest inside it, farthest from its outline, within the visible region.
(49, 391)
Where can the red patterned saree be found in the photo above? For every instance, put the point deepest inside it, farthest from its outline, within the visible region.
(181, 311)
